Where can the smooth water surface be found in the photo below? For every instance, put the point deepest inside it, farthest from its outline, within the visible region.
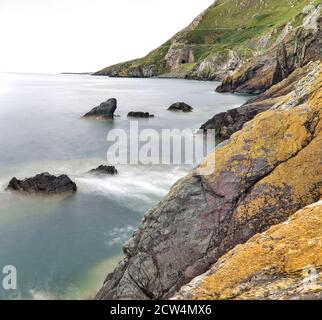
(63, 247)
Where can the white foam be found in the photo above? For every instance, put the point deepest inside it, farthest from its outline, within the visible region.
(41, 295)
(144, 184)
(118, 235)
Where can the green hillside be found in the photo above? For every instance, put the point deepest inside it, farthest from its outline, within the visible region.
(228, 32)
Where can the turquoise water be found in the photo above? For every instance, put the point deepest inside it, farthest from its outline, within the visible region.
(63, 247)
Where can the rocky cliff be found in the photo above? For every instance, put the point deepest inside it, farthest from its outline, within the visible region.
(249, 44)
(284, 262)
(260, 177)
(227, 123)
(298, 44)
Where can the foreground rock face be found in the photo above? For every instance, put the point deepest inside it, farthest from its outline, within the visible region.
(104, 111)
(44, 183)
(180, 106)
(104, 170)
(285, 262)
(227, 123)
(266, 172)
(140, 114)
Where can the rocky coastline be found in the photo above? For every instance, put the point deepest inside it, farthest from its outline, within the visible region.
(260, 206)
(266, 172)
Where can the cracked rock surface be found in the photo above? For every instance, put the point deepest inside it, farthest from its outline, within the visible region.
(265, 173)
(284, 262)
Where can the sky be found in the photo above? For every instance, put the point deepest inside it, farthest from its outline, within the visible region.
(52, 36)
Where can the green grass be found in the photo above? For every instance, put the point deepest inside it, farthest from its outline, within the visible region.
(230, 24)
(237, 14)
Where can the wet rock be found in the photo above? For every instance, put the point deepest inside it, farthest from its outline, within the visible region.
(104, 111)
(140, 114)
(180, 106)
(227, 123)
(104, 170)
(44, 183)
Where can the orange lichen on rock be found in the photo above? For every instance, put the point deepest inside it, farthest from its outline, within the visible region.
(283, 262)
(275, 135)
(296, 180)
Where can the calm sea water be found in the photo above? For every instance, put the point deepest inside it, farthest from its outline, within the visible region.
(63, 247)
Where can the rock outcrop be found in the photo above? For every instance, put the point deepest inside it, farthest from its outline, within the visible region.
(265, 173)
(43, 183)
(216, 67)
(139, 114)
(105, 111)
(104, 170)
(180, 106)
(297, 47)
(284, 262)
(227, 123)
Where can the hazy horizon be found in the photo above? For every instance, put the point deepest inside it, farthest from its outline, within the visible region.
(53, 36)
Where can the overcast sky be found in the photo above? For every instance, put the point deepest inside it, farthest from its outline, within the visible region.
(86, 35)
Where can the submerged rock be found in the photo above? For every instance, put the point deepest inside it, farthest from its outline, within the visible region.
(139, 114)
(111, 170)
(265, 173)
(44, 183)
(104, 111)
(180, 106)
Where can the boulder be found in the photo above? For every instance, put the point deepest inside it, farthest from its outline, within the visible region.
(104, 111)
(180, 106)
(139, 114)
(104, 170)
(44, 183)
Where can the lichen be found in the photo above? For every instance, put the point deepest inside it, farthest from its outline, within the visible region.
(271, 263)
(288, 141)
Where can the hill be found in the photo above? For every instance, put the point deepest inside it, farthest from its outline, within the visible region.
(224, 38)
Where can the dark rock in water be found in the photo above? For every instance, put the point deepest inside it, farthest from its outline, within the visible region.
(44, 183)
(140, 114)
(104, 111)
(180, 106)
(227, 123)
(104, 170)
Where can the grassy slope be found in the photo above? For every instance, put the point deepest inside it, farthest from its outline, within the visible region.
(228, 24)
